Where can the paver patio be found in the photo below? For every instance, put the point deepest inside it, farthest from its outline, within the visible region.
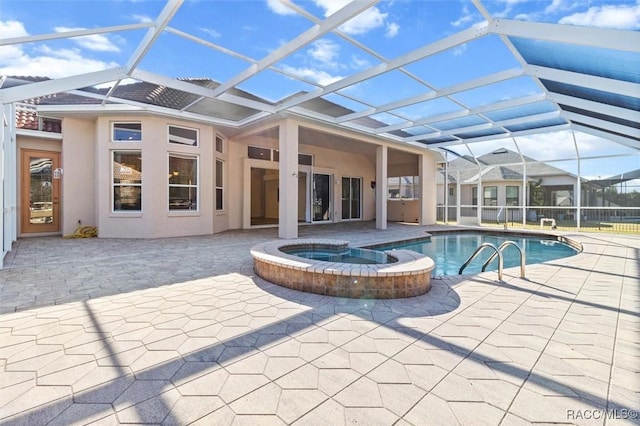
(180, 331)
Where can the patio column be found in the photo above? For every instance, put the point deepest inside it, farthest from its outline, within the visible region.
(288, 187)
(458, 198)
(8, 189)
(428, 196)
(381, 187)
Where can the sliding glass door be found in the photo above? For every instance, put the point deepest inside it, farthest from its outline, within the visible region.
(321, 199)
(351, 198)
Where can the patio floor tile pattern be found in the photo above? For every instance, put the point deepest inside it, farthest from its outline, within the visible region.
(180, 331)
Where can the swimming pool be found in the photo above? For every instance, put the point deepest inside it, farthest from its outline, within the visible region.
(450, 250)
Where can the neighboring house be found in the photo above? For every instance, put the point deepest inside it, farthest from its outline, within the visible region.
(502, 175)
(136, 173)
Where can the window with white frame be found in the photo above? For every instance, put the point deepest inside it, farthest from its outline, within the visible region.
(219, 185)
(183, 182)
(126, 132)
(513, 193)
(403, 187)
(490, 196)
(183, 136)
(126, 172)
(219, 145)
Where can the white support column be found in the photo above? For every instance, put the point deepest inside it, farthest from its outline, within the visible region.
(446, 189)
(3, 178)
(8, 189)
(578, 182)
(381, 187)
(458, 198)
(288, 187)
(428, 188)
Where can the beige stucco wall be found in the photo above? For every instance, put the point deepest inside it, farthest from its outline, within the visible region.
(155, 220)
(86, 193)
(78, 180)
(403, 210)
(326, 161)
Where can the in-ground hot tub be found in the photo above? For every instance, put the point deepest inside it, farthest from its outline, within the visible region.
(332, 268)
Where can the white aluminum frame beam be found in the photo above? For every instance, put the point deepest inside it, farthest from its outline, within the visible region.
(501, 136)
(343, 15)
(630, 143)
(74, 33)
(467, 112)
(577, 79)
(63, 84)
(603, 124)
(489, 125)
(456, 88)
(614, 111)
(413, 56)
(195, 89)
(571, 34)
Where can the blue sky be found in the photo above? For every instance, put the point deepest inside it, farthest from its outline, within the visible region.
(253, 29)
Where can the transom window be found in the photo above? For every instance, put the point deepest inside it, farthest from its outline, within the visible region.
(126, 174)
(219, 145)
(126, 132)
(183, 136)
(183, 182)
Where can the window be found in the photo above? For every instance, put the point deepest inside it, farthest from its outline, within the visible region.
(183, 136)
(513, 198)
(219, 185)
(126, 132)
(258, 153)
(490, 197)
(183, 182)
(127, 181)
(219, 145)
(305, 159)
(403, 187)
(452, 191)
(474, 196)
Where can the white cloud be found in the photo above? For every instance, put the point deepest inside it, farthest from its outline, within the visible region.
(11, 29)
(324, 51)
(279, 8)
(319, 76)
(368, 20)
(96, 42)
(142, 18)
(392, 30)
(464, 19)
(359, 63)
(459, 50)
(612, 16)
(211, 32)
(43, 60)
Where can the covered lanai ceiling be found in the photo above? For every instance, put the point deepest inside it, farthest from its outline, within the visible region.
(490, 74)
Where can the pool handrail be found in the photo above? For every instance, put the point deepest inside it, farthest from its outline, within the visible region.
(500, 249)
(477, 252)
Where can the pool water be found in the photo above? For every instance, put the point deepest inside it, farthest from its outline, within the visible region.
(348, 255)
(450, 251)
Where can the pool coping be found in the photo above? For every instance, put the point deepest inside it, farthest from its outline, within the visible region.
(409, 276)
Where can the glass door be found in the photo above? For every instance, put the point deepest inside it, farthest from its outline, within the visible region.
(40, 192)
(351, 199)
(321, 199)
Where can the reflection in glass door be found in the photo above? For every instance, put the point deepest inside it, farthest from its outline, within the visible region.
(351, 202)
(40, 195)
(321, 200)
